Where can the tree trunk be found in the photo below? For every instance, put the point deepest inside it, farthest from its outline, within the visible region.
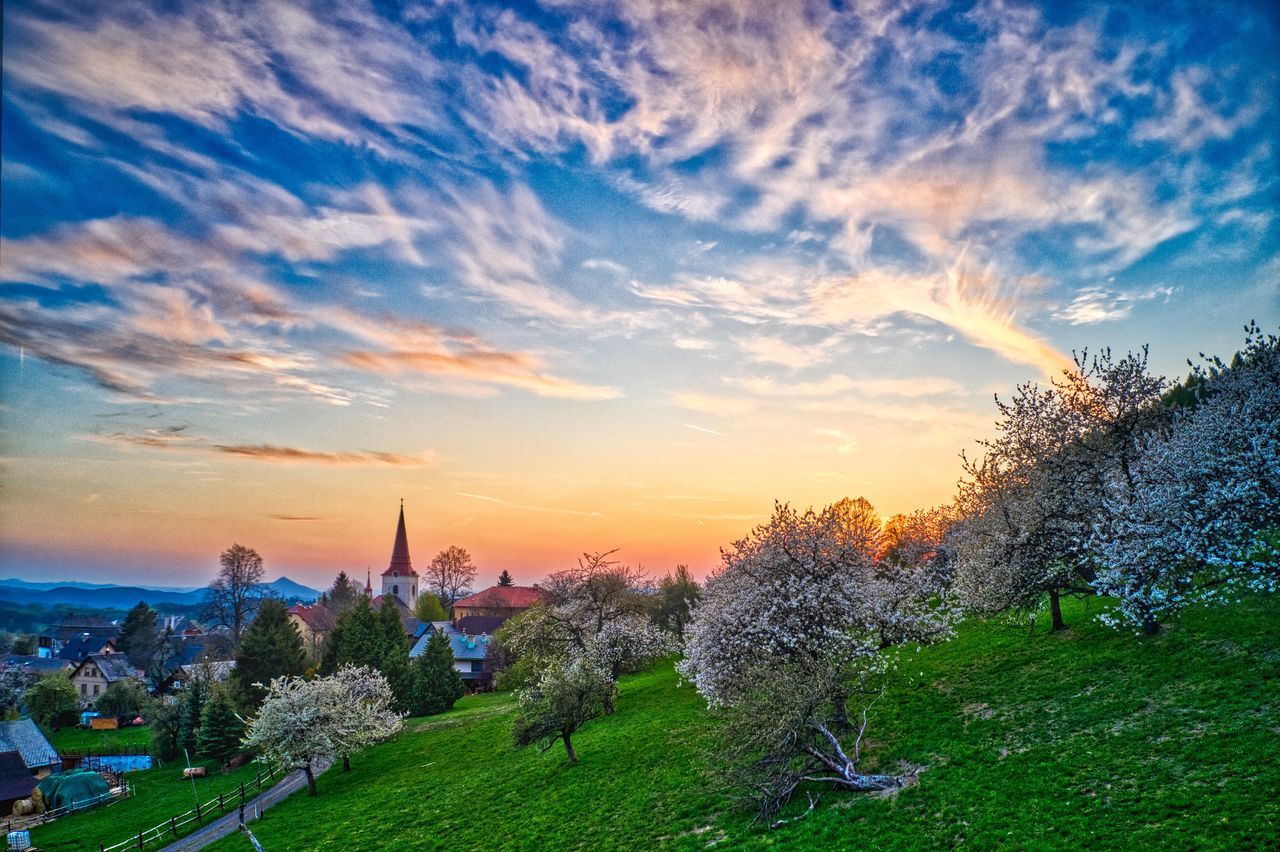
(1150, 627)
(1055, 607)
(608, 706)
(568, 747)
(311, 780)
(346, 763)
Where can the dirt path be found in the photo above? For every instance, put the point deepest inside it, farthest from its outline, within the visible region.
(230, 824)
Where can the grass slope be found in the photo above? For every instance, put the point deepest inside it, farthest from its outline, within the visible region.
(132, 739)
(1083, 738)
(158, 794)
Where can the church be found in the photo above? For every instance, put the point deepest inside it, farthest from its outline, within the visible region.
(399, 581)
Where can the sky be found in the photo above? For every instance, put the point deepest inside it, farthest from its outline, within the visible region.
(578, 276)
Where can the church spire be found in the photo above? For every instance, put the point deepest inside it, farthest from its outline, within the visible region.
(368, 584)
(400, 564)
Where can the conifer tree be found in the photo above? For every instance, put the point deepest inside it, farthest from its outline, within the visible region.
(394, 646)
(193, 699)
(269, 648)
(504, 579)
(220, 728)
(437, 684)
(355, 640)
(140, 636)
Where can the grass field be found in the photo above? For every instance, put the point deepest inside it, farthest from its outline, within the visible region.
(1087, 737)
(159, 794)
(77, 740)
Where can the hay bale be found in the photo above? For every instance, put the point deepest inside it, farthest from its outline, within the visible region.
(37, 799)
(24, 807)
(193, 772)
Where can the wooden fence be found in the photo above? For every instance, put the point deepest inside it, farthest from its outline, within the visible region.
(169, 829)
(114, 794)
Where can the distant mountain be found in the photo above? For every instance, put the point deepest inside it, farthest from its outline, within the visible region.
(75, 584)
(100, 597)
(110, 596)
(289, 590)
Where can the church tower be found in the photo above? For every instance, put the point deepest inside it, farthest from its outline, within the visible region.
(400, 580)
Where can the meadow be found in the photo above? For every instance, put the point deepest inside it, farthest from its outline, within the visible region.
(1015, 739)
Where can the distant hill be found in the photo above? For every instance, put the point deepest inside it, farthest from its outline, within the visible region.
(110, 596)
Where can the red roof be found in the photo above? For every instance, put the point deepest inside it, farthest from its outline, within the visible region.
(400, 563)
(511, 597)
(316, 616)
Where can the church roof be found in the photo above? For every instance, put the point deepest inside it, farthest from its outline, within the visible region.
(400, 564)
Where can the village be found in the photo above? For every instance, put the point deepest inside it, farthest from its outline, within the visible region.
(86, 678)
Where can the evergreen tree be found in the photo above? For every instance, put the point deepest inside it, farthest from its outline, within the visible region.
(140, 636)
(220, 728)
(395, 654)
(429, 608)
(504, 579)
(269, 648)
(437, 684)
(342, 595)
(193, 699)
(355, 639)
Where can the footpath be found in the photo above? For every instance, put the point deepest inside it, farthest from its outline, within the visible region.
(230, 823)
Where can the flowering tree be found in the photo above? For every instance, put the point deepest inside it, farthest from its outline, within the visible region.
(1029, 505)
(1201, 519)
(303, 721)
(594, 612)
(793, 624)
(568, 694)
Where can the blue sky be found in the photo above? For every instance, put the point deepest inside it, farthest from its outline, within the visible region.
(573, 276)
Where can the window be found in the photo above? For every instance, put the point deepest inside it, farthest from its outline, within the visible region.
(95, 689)
(477, 666)
(84, 689)
(395, 590)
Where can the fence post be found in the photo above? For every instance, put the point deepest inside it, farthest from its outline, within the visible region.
(221, 809)
(197, 812)
(173, 826)
(242, 797)
(139, 839)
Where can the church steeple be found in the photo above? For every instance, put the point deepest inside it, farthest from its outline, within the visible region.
(400, 565)
(400, 581)
(368, 584)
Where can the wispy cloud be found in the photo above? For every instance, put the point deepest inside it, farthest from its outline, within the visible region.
(525, 508)
(274, 453)
(1101, 304)
(177, 438)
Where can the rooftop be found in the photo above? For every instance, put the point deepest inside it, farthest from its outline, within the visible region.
(26, 738)
(503, 597)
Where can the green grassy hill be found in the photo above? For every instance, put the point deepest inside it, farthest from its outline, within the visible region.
(1083, 738)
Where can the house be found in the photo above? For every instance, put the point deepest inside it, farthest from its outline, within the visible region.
(210, 671)
(480, 625)
(468, 653)
(79, 647)
(504, 601)
(35, 667)
(25, 737)
(51, 642)
(94, 674)
(313, 621)
(15, 781)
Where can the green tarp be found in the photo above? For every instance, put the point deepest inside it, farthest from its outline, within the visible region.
(79, 786)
